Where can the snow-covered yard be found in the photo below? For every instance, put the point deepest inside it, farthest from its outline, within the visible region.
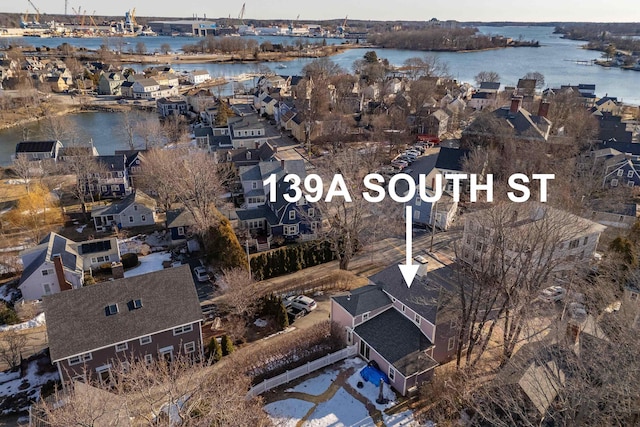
(39, 320)
(16, 394)
(148, 264)
(344, 407)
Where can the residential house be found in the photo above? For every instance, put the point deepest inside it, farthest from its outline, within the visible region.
(449, 161)
(134, 161)
(572, 240)
(110, 180)
(110, 83)
(150, 89)
(269, 82)
(91, 331)
(98, 252)
(200, 99)
(165, 79)
(482, 100)
(126, 89)
(171, 106)
(489, 87)
(198, 76)
(268, 106)
(437, 123)
(608, 104)
(612, 128)
(68, 153)
(246, 131)
(440, 214)
(407, 331)
(180, 223)
(298, 128)
(526, 87)
(38, 150)
(57, 84)
(631, 304)
(51, 267)
(135, 210)
(618, 215)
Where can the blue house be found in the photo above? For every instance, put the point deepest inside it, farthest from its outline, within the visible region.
(440, 214)
(110, 180)
(180, 223)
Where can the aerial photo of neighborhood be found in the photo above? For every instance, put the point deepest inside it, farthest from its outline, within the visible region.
(319, 214)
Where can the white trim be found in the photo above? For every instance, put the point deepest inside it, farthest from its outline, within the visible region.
(366, 316)
(126, 347)
(183, 329)
(199, 321)
(148, 358)
(190, 343)
(145, 343)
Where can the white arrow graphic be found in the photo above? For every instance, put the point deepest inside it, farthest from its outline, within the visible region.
(409, 270)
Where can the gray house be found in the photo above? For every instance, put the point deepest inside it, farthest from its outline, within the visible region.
(135, 210)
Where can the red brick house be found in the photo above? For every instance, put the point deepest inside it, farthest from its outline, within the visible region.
(145, 317)
(407, 331)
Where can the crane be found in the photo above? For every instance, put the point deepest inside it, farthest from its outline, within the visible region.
(343, 28)
(93, 23)
(25, 19)
(37, 19)
(77, 14)
(84, 15)
(66, 5)
(241, 14)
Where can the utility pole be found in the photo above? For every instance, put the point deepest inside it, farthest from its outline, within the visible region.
(246, 242)
(433, 224)
(66, 5)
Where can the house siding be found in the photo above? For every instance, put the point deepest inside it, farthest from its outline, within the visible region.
(358, 319)
(33, 287)
(108, 355)
(398, 383)
(444, 332)
(341, 316)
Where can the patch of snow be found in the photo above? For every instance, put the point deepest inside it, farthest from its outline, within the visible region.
(9, 376)
(404, 419)
(39, 320)
(341, 410)
(148, 264)
(371, 392)
(16, 181)
(6, 292)
(288, 412)
(29, 384)
(81, 228)
(260, 323)
(316, 385)
(13, 248)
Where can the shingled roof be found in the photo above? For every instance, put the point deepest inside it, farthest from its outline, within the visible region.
(77, 323)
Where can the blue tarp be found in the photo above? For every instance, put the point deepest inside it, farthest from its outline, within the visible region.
(373, 375)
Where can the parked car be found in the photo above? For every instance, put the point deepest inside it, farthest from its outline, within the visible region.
(201, 274)
(295, 313)
(400, 164)
(420, 259)
(302, 302)
(577, 312)
(414, 153)
(553, 294)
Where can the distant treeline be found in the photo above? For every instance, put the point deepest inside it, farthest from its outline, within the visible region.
(600, 36)
(439, 39)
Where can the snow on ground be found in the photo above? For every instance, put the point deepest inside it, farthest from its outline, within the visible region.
(7, 292)
(404, 419)
(13, 248)
(148, 264)
(81, 228)
(316, 385)
(39, 320)
(29, 385)
(341, 410)
(16, 181)
(288, 412)
(260, 323)
(131, 244)
(371, 392)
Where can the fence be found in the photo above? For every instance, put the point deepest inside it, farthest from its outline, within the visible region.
(293, 374)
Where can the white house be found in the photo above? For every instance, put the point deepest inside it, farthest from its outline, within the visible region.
(198, 76)
(150, 88)
(97, 252)
(135, 210)
(51, 267)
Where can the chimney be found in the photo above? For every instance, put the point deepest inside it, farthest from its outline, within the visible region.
(543, 110)
(282, 164)
(573, 332)
(117, 270)
(516, 103)
(62, 281)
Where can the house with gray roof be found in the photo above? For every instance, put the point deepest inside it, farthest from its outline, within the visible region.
(247, 131)
(406, 331)
(94, 329)
(54, 265)
(109, 180)
(38, 150)
(135, 210)
(110, 84)
(180, 223)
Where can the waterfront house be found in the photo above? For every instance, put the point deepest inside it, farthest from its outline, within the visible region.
(38, 150)
(135, 210)
(110, 180)
(198, 76)
(94, 330)
(110, 83)
(171, 106)
(52, 266)
(406, 331)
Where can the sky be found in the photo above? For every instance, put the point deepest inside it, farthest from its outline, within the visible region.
(381, 10)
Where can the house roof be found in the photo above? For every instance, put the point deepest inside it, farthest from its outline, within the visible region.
(180, 218)
(131, 155)
(53, 244)
(606, 99)
(120, 205)
(97, 245)
(524, 123)
(489, 85)
(203, 131)
(257, 213)
(77, 323)
(113, 163)
(147, 82)
(399, 341)
(451, 158)
(35, 146)
(362, 300)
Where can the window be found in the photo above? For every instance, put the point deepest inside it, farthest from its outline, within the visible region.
(416, 214)
(122, 347)
(364, 350)
(451, 344)
(254, 185)
(416, 318)
(104, 373)
(418, 201)
(47, 288)
(91, 187)
(574, 244)
(47, 271)
(130, 219)
(148, 358)
(135, 207)
(403, 308)
(75, 360)
(292, 214)
(111, 309)
(120, 174)
(365, 316)
(182, 329)
(630, 183)
(135, 304)
(143, 218)
(180, 231)
(167, 353)
(620, 172)
(311, 212)
(630, 174)
(190, 347)
(145, 340)
(104, 188)
(392, 373)
(614, 182)
(115, 187)
(585, 240)
(633, 296)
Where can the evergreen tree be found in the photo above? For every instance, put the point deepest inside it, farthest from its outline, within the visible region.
(282, 319)
(214, 350)
(227, 345)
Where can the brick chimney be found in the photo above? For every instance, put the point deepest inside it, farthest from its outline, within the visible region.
(516, 103)
(543, 110)
(282, 164)
(117, 270)
(62, 281)
(573, 332)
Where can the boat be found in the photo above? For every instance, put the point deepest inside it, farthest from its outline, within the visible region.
(281, 66)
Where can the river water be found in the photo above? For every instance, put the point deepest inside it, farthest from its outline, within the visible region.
(555, 59)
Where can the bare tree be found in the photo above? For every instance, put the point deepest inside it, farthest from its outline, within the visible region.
(25, 170)
(12, 343)
(240, 291)
(80, 162)
(537, 76)
(487, 76)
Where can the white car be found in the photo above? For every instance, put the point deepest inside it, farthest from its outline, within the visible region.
(201, 274)
(301, 302)
(553, 294)
(420, 259)
(577, 312)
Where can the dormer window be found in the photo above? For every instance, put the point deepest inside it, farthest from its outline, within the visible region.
(292, 215)
(111, 309)
(134, 304)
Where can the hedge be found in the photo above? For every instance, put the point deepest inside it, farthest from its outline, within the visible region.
(289, 259)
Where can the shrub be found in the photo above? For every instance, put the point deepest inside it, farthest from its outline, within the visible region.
(227, 345)
(8, 315)
(282, 320)
(214, 351)
(221, 245)
(129, 260)
(290, 258)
